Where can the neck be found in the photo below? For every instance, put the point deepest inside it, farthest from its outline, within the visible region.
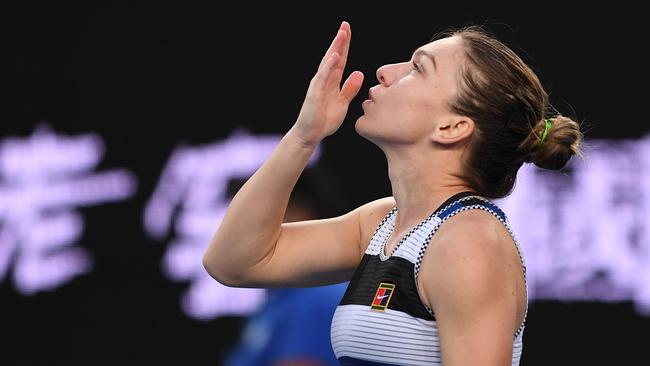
(421, 183)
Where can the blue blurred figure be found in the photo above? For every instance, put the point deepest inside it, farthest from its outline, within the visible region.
(292, 328)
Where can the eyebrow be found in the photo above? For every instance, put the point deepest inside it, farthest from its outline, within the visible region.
(421, 52)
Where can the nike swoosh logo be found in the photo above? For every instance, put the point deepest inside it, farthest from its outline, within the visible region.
(381, 297)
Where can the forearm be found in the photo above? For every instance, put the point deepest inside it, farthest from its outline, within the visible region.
(252, 224)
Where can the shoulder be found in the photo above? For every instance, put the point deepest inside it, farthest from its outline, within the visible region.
(370, 216)
(472, 251)
(471, 230)
(375, 211)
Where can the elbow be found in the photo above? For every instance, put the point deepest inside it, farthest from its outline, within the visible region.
(216, 271)
(210, 267)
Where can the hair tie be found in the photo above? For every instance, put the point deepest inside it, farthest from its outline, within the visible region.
(547, 126)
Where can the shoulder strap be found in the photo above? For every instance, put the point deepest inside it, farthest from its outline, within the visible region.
(409, 250)
(382, 232)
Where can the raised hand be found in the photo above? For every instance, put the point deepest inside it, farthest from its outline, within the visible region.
(326, 102)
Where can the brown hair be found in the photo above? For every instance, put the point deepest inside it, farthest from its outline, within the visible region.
(508, 105)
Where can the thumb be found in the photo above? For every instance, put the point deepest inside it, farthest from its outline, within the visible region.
(351, 86)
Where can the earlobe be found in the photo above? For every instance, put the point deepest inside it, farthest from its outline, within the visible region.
(453, 130)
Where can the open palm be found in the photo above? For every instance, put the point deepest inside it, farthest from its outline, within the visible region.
(326, 102)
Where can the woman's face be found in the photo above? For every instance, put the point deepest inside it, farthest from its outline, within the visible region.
(412, 97)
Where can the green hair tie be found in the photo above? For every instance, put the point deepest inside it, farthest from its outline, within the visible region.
(547, 126)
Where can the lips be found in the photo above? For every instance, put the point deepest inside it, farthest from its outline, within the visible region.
(370, 94)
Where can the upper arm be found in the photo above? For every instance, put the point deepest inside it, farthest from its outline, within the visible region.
(320, 252)
(471, 288)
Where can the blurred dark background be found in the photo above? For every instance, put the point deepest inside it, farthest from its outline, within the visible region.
(148, 79)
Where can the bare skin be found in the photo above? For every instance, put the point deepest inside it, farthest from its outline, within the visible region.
(471, 275)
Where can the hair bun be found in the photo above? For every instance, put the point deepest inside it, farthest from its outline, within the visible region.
(560, 142)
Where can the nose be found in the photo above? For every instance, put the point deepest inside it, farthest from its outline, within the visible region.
(382, 74)
(388, 74)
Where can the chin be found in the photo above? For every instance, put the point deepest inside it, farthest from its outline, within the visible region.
(363, 126)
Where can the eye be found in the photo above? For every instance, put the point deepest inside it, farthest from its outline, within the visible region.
(416, 67)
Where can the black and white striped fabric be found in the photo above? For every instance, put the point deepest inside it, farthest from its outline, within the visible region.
(381, 319)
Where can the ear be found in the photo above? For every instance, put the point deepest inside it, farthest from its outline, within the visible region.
(452, 130)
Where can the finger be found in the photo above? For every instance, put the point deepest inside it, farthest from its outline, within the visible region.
(351, 86)
(334, 46)
(345, 47)
(322, 77)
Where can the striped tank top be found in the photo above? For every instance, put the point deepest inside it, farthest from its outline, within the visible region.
(381, 319)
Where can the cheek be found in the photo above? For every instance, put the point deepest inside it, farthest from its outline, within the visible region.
(437, 102)
(419, 106)
(442, 94)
